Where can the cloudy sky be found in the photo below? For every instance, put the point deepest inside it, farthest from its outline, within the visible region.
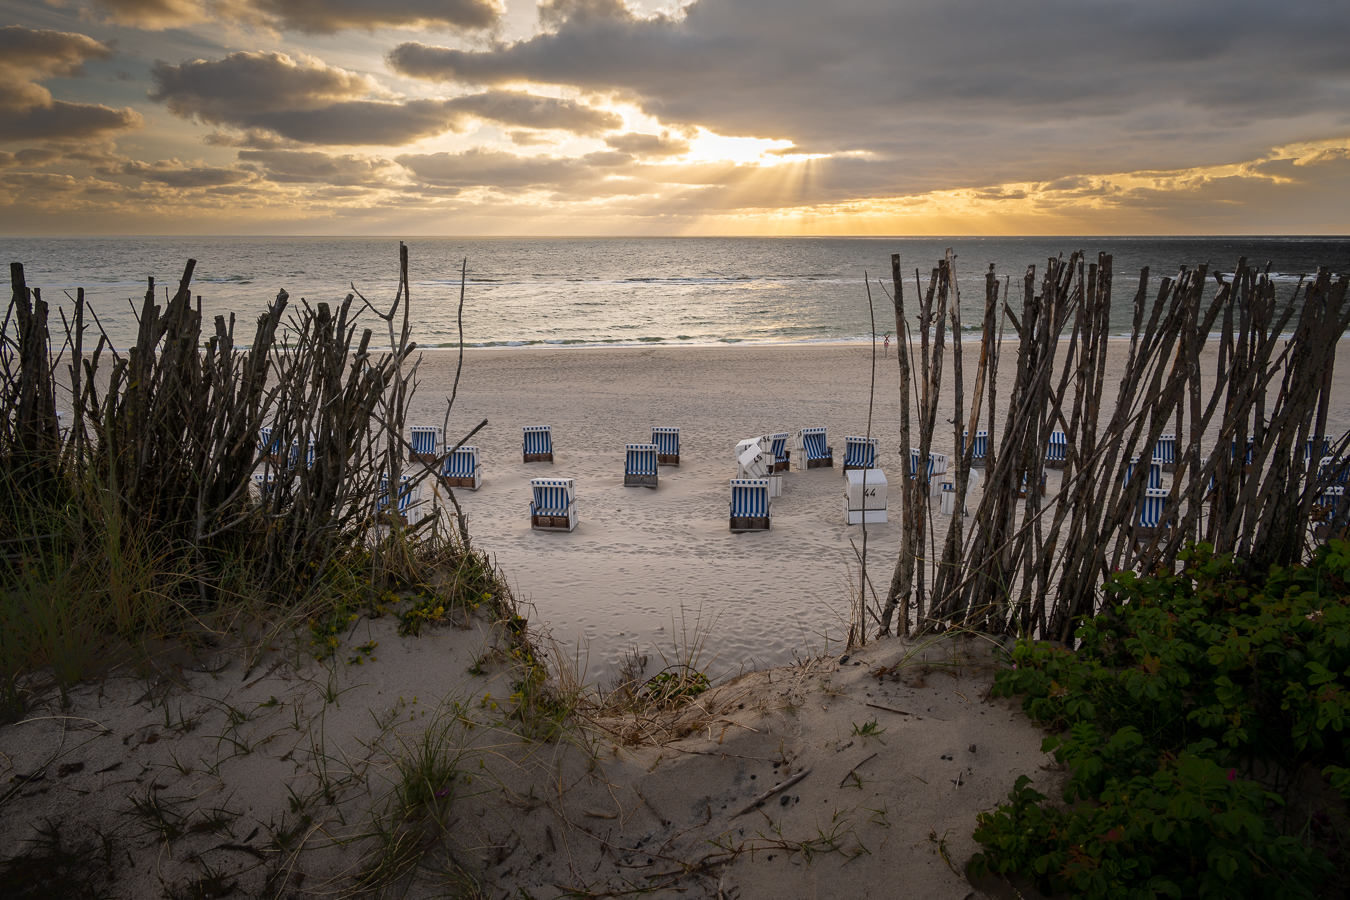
(606, 117)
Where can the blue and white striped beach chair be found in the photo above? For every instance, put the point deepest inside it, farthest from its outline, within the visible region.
(1333, 470)
(980, 452)
(425, 443)
(537, 445)
(1154, 472)
(815, 454)
(1150, 514)
(264, 485)
(1165, 452)
(1056, 450)
(751, 509)
(462, 469)
(667, 441)
(554, 507)
(1022, 491)
(639, 468)
(1310, 453)
(860, 453)
(269, 447)
(782, 456)
(937, 465)
(295, 454)
(404, 502)
(1247, 460)
(1329, 512)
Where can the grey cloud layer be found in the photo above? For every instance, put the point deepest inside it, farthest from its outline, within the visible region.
(27, 110)
(949, 87)
(308, 101)
(312, 16)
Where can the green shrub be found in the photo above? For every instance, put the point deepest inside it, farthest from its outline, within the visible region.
(1184, 688)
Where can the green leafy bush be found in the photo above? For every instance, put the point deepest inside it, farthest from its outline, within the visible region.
(1185, 688)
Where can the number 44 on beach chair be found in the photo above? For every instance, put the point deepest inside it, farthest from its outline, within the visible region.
(554, 507)
(538, 443)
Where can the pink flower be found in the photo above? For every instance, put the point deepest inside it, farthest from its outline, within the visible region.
(445, 792)
(1232, 774)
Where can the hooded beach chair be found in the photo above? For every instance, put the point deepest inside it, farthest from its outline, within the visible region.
(667, 441)
(860, 453)
(554, 507)
(1150, 515)
(1022, 491)
(937, 465)
(295, 459)
(264, 485)
(1154, 472)
(269, 447)
(1329, 511)
(815, 454)
(1165, 452)
(537, 445)
(782, 456)
(751, 509)
(639, 468)
(1333, 470)
(462, 469)
(425, 443)
(980, 452)
(865, 496)
(403, 504)
(1056, 450)
(753, 459)
(1310, 452)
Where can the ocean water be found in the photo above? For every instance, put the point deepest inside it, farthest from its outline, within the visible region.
(612, 291)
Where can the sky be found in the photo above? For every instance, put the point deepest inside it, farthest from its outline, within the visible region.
(711, 117)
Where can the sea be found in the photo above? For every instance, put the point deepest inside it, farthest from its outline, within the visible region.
(615, 291)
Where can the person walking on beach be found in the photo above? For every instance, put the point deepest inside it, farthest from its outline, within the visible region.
(887, 346)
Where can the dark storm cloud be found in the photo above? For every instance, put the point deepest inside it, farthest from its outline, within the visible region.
(310, 102)
(27, 110)
(948, 86)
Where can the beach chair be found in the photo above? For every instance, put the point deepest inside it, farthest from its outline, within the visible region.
(1328, 514)
(948, 498)
(782, 456)
(1022, 491)
(980, 452)
(426, 442)
(295, 459)
(812, 450)
(859, 453)
(269, 447)
(264, 485)
(404, 502)
(1333, 470)
(554, 507)
(1310, 453)
(751, 509)
(752, 459)
(865, 496)
(1150, 514)
(639, 468)
(537, 445)
(462, 469)
(1154, 472)
(1165, 452)
(1057, 450)
(667, 441)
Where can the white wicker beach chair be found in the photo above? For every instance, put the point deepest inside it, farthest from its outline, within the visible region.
(639, 468)
(751, 508)
(667, 441)
(462, 468)
(813, 451)
(426, 442)
(537, 445)
(554, 507)
(1165, 452)
(753, 459)
(782, 456)
(859, 453)
(1056, 450)
(865, 496)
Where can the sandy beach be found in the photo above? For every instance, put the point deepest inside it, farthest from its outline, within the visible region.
(639, 557)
